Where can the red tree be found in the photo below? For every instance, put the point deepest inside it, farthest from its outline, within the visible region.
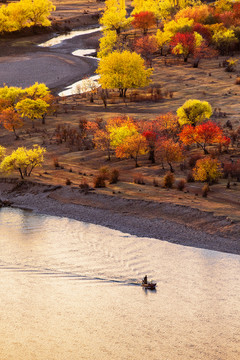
(146, 46)
(203, 134)
(183, 44)
(144, 20)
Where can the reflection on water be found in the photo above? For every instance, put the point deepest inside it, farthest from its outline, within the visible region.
(69, 290)
(57, 40)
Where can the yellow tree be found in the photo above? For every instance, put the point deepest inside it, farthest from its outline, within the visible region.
(32, 109)
(39, 11)
(207, 169)
(23, 160)
(107, 43)
(193, 112)
(114, 17)
(123, 70)
(2, 152)
(11, 94)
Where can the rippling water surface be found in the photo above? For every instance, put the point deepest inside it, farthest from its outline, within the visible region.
(69, 290)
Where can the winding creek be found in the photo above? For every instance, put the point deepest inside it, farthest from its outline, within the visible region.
(61, 62)
(69, 290)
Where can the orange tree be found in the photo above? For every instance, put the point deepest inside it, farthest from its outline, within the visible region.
(143, 21)
(169, 151)
(11, 120)
(207, 169)
(132, 146)
(203, 134)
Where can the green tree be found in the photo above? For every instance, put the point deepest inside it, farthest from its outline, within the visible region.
(23, 160)
(123, 70)
(193, 112)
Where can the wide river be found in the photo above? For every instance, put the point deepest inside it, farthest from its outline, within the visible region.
(69, 291)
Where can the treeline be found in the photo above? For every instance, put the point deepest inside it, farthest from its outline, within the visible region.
(25, 13)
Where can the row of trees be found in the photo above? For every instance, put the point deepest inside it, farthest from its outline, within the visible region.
(186, 28)
(25, 13)
(169, 138)
(17, 104)
(163, 138)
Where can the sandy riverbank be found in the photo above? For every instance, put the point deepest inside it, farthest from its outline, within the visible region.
(162, 221)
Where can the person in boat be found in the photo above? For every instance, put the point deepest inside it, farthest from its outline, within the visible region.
(145, 280)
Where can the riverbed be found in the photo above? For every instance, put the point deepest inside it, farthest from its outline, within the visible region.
(70, 290)
(52, 63)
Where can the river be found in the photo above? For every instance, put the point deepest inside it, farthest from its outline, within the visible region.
(70, 290)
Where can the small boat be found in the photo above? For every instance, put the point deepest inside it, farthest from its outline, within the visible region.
(149, 285)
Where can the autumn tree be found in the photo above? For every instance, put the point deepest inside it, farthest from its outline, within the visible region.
(11, 120)
(39, 11)
(198, 13)
(2, 152)
(23, 160)
(164, 126)
(114, 16)
(163, 38)
(107, 43)
(146, 46)
(203, 52)
(123, 70)
(11, 95)
(204, 134)
(169, 151)
(207, 169)
(143, 21)
(224, 39)
(119, 129)
(132, 147)
(185, 44)
(32, 109)
(102, 141)
(25, 13)
(193, 112)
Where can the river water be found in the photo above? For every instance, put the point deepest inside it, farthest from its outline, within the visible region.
(69, 290)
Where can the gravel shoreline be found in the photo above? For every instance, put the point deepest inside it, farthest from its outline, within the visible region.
(39, 199)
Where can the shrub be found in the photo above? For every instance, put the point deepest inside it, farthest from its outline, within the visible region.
(189, 177)
(168, 180)
(68, 182)
(138, 179)
(56, 162)
(181, 184)
(99, 181)
(104, 172)
(205, 190)
(237, 82)
(114, 176)
(231, 65)
(84, 186)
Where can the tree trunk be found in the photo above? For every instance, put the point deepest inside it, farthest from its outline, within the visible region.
(171, 168)
(196, 63)
(21, 173)
(151, 156)
(16, 136)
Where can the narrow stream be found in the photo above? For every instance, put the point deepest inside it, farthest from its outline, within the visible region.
(82, 85)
